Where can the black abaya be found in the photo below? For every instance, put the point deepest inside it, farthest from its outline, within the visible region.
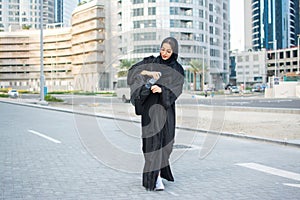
(157, 115)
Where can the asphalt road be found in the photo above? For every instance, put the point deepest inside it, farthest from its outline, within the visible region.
(47, 154)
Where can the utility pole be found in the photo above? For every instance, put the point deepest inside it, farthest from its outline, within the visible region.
(203, 75)
(42, 78)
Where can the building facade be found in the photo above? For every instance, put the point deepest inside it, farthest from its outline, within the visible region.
(252, 67)
(274, 24)
(200, 26)
(283, 61)
(63, 11)
(73, 56)
(17, 14)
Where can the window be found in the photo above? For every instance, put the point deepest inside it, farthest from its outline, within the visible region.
(152, 11)
(144, 24)
(146, 48)
(138, 1)
(255, 57)
(144, 36)
(211, 7)
(138, 12)
(247, 58)
(211, 18)
(211, 30)
(201, 13)
(174, 11)
(201, 26)
(240, 59)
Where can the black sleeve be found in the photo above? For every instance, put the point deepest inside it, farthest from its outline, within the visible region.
(172, 90)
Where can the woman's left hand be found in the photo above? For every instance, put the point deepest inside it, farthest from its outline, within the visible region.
(156, 89)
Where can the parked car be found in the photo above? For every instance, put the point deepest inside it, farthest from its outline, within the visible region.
(13, 93)
(234, 89)
(258, 88)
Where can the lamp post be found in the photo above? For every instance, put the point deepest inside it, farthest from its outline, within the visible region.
(203, 75)
(42, 78)
(275, 48)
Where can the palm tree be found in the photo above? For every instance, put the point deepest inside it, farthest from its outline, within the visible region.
(197, 67)
(124, 66)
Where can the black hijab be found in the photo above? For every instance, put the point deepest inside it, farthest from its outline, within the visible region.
(174, 45)
(172, 79)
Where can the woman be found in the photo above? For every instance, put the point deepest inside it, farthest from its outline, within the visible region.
(156, 83)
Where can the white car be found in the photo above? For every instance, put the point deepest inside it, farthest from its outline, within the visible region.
(13, 93)
(234, 89)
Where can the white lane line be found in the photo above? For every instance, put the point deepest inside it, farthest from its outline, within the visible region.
(173, 193)
(271, 170)
(292, 185)
(44, 136)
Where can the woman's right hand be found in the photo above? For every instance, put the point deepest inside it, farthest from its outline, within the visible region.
(156, 75)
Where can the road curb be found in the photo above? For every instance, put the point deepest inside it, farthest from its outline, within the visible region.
(242, 136)
(243, 109)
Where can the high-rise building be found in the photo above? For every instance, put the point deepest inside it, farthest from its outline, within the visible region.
(16, 14)
(73, 59)
(63, 11)
(201, 28)
(274, 23)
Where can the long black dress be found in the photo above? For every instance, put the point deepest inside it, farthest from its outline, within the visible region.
(157, 112)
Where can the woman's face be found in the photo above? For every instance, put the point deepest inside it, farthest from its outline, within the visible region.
(166, 51)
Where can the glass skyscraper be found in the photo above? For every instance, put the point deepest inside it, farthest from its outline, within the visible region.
(63, 11)
(17, 14)
(275, 23)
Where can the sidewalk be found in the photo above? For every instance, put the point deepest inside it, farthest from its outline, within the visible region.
(250, 123)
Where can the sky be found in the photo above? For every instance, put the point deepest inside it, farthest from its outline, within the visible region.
(237, 24)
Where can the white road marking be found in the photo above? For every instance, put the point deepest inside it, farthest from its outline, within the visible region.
(44, 136)
(271, 170)
(173, 193)
(241, 102)
(292, 185)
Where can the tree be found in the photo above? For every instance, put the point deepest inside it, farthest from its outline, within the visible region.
(26, 27)
(197, 68)
(124, 66)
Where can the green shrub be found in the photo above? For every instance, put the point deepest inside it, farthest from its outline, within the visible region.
(48, 97)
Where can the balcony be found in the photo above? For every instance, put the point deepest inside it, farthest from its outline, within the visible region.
(88, 36)
(88, 15)
(85, 27)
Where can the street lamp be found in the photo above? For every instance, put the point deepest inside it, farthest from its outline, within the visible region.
(203, 82)
(275, 48)
(42, 78)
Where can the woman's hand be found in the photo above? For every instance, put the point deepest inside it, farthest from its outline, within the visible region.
(154, 74)
(156, 89)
